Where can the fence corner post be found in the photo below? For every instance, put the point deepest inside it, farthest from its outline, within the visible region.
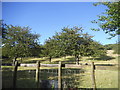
(93, 76)
(15, 74)
(60, 76)
(37, 74)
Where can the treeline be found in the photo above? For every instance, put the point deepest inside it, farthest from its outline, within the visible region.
(115, 47)
(19, 42)
(72, 41)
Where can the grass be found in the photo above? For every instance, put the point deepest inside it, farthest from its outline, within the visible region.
(110, 80)
(104, 78)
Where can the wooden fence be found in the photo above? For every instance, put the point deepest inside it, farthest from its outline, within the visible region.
(60, 65)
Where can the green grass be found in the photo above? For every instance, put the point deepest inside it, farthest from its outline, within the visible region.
(104, 78)
(110, 80)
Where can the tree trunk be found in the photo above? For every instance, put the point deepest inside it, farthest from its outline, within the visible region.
(14, 60)
(77, 59)
(50, 59)
(21, 59)
(64, 57)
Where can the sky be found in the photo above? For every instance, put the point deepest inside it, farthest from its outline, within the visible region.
(46, 18)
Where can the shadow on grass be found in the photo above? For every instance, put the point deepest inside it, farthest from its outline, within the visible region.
(26, 78)
(34, 61)
(67, 61)
(7, 78)
(7, 60)
(71, 77)
(102, 58)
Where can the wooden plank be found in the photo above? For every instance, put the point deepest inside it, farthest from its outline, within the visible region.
(56, 65)
(98, 66)
(42, 65)
(28, 65)
(93, 76)
(74, 66)
(60, 76)
(52, 65)
(49, 65)
(15, 74)
(37, 73)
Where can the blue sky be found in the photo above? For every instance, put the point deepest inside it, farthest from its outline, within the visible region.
(46, 18)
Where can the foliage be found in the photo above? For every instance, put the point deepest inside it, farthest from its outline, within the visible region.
(109, 46)
(19, 41)
(95, 49)
(115, 47)
(72, 41)
(109, 20)
(50, 48)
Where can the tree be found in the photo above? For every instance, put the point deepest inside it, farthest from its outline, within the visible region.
(36, 51)
(71, 41)
(18, 41)
(50, 47)
(95, 49)
(109, 21)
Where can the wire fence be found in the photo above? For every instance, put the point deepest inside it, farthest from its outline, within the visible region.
(7, 75)
(71, 77)
(48, 78)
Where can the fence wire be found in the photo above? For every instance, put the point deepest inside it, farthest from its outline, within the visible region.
(71, 78)
(7, 75)
(48, 78)
(26, 79)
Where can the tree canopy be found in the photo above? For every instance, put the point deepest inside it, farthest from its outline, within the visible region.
(72, 41)
(18, 41)
(109, 21)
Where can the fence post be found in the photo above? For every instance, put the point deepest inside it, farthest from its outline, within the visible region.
(59, 76)
(37, 74)
(15, 74)
(93, 76)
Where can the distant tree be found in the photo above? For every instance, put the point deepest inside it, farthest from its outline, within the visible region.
(109, 21)
(18, 41)
(95, 49)
(115, 47)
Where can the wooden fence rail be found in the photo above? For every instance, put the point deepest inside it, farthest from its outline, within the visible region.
(54, 65)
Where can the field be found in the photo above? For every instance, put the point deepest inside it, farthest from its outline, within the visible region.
(106, 75)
